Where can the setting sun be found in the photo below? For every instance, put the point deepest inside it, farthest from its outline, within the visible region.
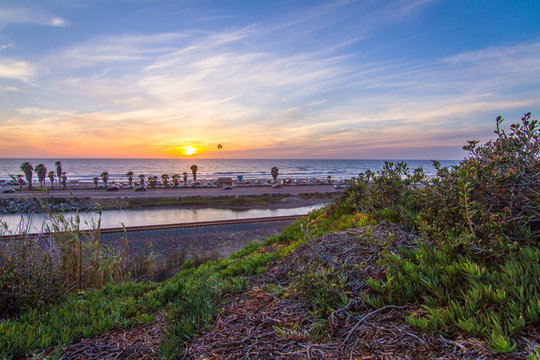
(190, 150)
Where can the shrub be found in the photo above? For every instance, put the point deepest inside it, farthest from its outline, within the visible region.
(492, 196)
(479, 270)
(28, 276)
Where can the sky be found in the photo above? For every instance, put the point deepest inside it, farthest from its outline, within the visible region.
(374, 79)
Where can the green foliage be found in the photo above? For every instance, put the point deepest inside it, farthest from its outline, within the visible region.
(28, 277)
(325, 290)
(493, 196)
(385, 194)
(476, 266)
(461, 290)
(35, 271)
(189, 301)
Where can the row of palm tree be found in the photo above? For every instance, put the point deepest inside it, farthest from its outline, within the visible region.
(41, 171)
(152, 180)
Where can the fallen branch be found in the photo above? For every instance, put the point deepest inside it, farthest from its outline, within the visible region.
(368, 315)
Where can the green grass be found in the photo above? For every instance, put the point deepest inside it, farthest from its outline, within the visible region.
(460, 290)
(223, 201)
(189, 301)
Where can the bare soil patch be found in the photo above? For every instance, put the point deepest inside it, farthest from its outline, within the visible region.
(139, 342)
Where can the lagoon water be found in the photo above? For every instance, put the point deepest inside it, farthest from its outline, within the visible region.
(87, 169)
(34, 223)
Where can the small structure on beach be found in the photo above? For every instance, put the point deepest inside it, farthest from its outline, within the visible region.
(224, 182)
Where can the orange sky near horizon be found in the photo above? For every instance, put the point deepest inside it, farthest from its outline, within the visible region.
(267, 80)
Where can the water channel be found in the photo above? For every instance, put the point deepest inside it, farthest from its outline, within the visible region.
(34, 223)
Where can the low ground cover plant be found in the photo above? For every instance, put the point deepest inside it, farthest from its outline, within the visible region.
(473, 267)
(476, 265)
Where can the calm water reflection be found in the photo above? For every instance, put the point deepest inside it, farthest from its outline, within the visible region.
(115, 218)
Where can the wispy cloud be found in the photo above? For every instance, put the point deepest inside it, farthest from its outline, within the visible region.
(6, 46)
(16, 69)
(117, 49)
(5, 89)
(166, 90)
(29, 14)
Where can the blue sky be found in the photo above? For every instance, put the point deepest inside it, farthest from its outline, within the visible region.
(267, 79)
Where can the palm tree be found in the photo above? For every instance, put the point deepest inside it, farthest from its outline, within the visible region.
(165, 179)
(152, 180)
(194, 172)
(185, 177)
(129, 175)
(96, 180)
(64, 180)
(20, 181)
(41, 172)
(141, 179)
(275, 173)
(176, 179)
(59, 170)
(105, 177)
(27, 168)
(50, 175)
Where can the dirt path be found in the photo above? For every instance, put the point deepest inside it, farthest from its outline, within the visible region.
(207, 241)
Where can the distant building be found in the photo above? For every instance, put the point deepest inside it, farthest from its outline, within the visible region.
(224, 182)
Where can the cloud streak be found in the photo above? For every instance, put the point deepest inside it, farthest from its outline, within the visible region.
(30, 15)
(16, 69)
(166, 90)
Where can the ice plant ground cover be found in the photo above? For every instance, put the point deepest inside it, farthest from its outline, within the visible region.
(457, 256)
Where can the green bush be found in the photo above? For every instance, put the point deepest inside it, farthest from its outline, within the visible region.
(28, 276)
(477, 266)
(492, 196)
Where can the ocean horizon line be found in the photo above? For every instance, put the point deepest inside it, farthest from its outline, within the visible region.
(84, 168)
(188, 158)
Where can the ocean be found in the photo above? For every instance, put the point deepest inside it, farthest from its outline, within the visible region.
(87, 169)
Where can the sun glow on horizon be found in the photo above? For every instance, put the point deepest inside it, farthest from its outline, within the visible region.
(190, 150)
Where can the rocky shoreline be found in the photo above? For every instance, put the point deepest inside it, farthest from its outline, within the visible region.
(39, 205)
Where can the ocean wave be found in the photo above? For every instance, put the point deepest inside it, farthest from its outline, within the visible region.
(87, 169)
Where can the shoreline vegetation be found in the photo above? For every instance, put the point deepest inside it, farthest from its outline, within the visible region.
(225, 201)
(398, 265)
